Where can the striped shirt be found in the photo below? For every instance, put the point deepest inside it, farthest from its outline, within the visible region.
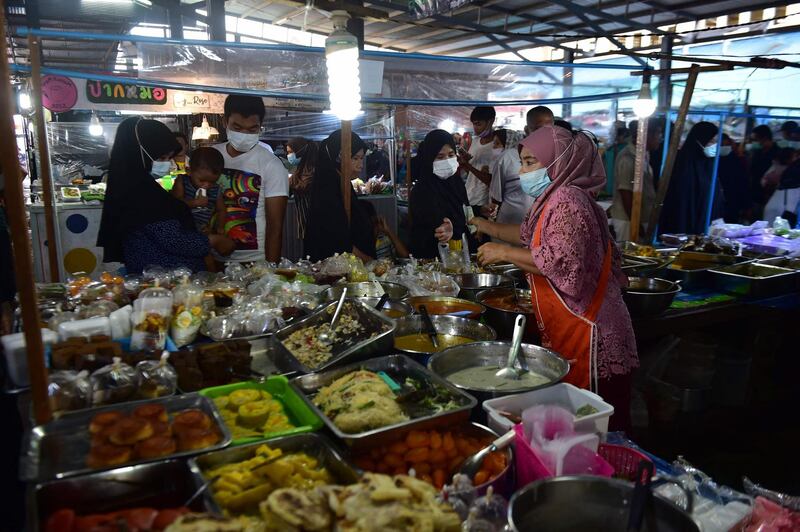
(202, 215)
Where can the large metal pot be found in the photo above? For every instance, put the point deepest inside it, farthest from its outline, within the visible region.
(447, 306)
(502, 318)
(452, 325)
(393, 309)
(648, 298)
(473, 283)
(519, 277)
(368, 289)
(540, 360)
(590, 503)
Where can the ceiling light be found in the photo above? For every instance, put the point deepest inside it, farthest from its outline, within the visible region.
(95, 127)
(24, 101)
(447, 125)
(204, 131)
(341, 57)
(644, 105)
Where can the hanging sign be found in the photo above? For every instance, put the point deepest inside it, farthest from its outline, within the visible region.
(426, 8)
(124, 93)
(59, 93)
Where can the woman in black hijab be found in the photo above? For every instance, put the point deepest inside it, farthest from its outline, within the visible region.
(687, 198)
(327, 230)
(437, 199)
(142, 224)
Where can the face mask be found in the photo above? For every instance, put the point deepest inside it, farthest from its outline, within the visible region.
(292, 158)
(783, 143)
(710, 151)
(488, 131)
(242, 142)
(496, 152)
(161, 168)
(534, 183)
(725, 151)
(445, 168)
(752, 146)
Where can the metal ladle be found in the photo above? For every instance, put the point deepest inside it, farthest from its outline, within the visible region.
(510, 372)
(327, 337)
(473, 464)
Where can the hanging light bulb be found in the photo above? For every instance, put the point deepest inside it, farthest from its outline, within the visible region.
(448, 125)
(644, 105)
(24, 101)
(95, 128)
(204, 131)
(341, 58)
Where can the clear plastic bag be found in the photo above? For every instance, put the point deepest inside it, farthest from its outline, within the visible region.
(150, 319)
(69, 390)
(156, 378)
(115, 383)
(187, 313)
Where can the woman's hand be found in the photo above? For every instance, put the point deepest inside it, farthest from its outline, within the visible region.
(444, 232)
(482, 224)
(222, 244)
(492, 253)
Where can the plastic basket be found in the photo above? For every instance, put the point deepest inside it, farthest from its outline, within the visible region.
(624, 460)
(300, 415)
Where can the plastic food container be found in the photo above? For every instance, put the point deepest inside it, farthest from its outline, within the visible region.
(300, 415)
(563, 394)
(17, 356)
(84, 328)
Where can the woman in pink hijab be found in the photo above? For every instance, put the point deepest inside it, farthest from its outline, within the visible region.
(573, 264)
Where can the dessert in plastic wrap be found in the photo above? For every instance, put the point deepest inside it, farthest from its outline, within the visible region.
(69, 390)
(97, 309)
(187, 313)
(248, 318)
(150, 319)
(114, 383)
(156, 378)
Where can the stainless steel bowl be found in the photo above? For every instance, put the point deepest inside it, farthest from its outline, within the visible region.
(502, 320)
(452, 325)
(647, 298)
(519, 277)
(448, 306)
(550, 504)
(472, 283)
(540, 360)
(368, 289)
(394, 306)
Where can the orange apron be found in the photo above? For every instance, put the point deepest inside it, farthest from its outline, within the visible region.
(572, 335)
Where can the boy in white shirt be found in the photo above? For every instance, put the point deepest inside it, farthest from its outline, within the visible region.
(480, 158)
(254, 183)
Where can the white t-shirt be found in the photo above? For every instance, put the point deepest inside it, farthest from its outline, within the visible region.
(507, 190)
(245, 182)
(477, 191)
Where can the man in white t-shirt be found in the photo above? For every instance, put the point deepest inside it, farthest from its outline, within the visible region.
(479, 161)
(254, 184)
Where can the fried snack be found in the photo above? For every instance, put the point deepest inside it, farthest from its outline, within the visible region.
(130, 430)
(161, 428)
(190, 439)
(155, 447)
(151, 412)
(190, 419)
(104, 420)
(105, 455)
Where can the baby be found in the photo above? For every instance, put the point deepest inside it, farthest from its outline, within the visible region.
(200, 191)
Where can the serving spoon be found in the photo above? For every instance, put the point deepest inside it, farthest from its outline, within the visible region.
(431, 329)
(473, 464)
(327, 337)
(510, 372)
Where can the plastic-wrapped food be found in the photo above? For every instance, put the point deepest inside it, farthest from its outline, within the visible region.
(337, 265)
(426, 283)
(97, 309)
(187, 313)
(59, 318)
(225, 293)
(84, 328)
(356, 272)
(491, 508)
(460, 494)
(69, 390)
(114, 383)
(156, 276)
(150, 319)
(156, 377)
(120, 321)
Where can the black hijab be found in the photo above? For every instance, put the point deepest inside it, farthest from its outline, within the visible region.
(433, 199)
(687, 197)
(328, 232)
(133, 197)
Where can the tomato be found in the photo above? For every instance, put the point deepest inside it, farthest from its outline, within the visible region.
(60, 521)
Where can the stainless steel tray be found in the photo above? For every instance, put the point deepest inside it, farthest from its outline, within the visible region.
(167, 484)
(697, 265)
(756, 280)
(314, 445)
(370, 318)
(59, 448)
(398, 367)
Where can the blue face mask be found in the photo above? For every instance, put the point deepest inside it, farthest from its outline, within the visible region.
(535, 183)
(292, 158)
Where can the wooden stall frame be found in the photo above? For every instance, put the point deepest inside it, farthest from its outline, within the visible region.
(347, 165)
(638, 177)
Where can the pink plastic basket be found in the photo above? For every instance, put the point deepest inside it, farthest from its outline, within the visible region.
(624, 460)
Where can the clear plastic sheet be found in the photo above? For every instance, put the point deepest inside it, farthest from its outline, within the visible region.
(72, 148)
(287, 123)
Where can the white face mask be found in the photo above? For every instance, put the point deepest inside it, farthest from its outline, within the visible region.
(725, 151)
(497, 152)
(445, 168)
(161, 168)
(242, 142)
(535, 182)
(710, 151)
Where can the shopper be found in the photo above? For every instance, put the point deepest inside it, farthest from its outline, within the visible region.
(783, 158)
(387, 244)
(505, 190)
(142, 224)
(182, 157)
(763, 151)
(573, 264)
(300, 186)
(296, 150)
(199, 189)
(328, 230)
(790, 133)
(539, 117)
(255, 184)
(437, 201)
(620, 140)
(785, 201)
(624, 174)
(479, 159)
(686, 202)
(377, 162)
(732, 175)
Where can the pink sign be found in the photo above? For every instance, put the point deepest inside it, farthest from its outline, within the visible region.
(59, 93)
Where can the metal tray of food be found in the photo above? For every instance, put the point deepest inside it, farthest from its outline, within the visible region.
(160, 485)
(782, 262)
(314, 445)
(632, 264)
(756, 280)
(364, 346)
(59, 449)
(399, 368)
(692, 268)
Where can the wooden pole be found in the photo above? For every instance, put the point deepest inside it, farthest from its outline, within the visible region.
(44, 158)
(669, 165)
(638, 177)
(347, 165)
(20, 237)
